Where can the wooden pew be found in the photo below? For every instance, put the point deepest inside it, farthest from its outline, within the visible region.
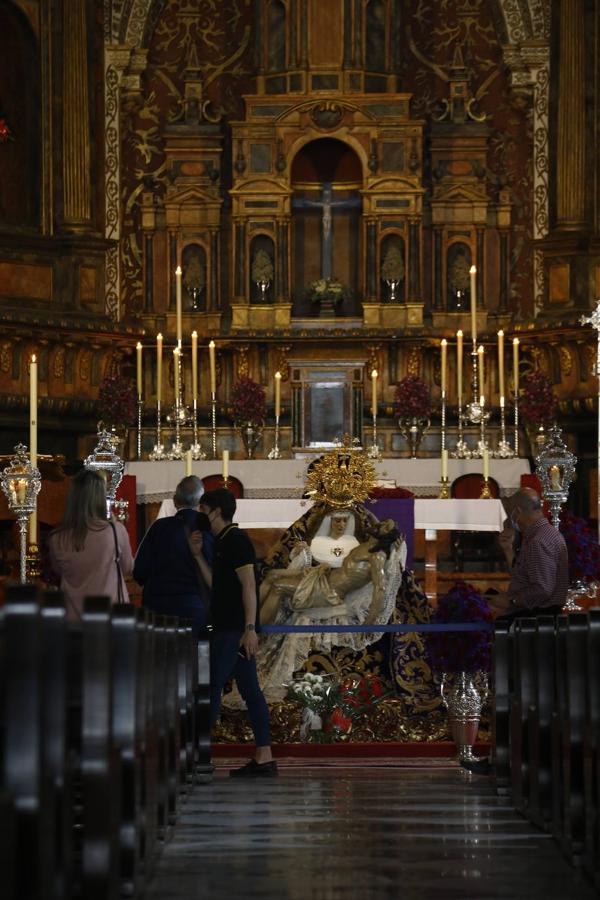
(591, 750)
(539, 809)
(502, 669)
(521, 699)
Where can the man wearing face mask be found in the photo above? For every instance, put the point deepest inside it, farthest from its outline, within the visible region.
(164, 564)
(540, 577)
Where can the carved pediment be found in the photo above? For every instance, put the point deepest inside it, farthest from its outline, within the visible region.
(460, 194)
(190, 195)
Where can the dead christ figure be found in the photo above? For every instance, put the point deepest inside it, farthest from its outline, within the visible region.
(321, 586)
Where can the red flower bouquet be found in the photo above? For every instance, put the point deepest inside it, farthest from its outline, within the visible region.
(537, 404)
(248, 402)
(412, 398)
(456, 651)
(330, 708)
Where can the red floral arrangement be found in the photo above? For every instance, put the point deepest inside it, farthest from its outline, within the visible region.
(456, 651)
(116, 403)
(583, 547)
(331, 708)
(537, 404)
(248, 401)
(412, 398)
(5, 132)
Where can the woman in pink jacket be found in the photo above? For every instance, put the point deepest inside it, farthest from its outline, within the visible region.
(91, 554)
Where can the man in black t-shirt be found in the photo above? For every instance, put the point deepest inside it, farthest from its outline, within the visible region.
(234, 619)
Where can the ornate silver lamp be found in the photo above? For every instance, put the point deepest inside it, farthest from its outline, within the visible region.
(555, 467)
(21, 483)
(105, 460)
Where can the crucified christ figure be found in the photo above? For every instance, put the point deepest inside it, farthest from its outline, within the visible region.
(327, 204)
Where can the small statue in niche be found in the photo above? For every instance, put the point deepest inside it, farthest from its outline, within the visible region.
(392, 270)
(459, 279)
(262, 272)
(194, 277)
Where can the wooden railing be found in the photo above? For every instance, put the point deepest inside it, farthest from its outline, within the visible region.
(547, 728)
(104, 729)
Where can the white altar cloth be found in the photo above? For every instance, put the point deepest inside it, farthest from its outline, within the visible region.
(434, 515)
(284, 478)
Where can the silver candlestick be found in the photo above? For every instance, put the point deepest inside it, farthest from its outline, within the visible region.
(197, 451)
(213, 403)
(158, 452)
(21, 483)
(374, 452)
(140, 406)
(275, 452)
(443, 420)
(177, 448)
(516, 413)
(461, 451)
(504, 450)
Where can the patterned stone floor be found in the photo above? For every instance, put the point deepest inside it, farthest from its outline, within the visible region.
(322, 833)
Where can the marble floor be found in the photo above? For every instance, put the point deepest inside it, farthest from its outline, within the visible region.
(419, 832)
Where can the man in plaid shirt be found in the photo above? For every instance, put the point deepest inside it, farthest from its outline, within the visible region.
(540, 577)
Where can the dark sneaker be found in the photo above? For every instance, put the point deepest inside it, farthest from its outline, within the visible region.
(253, 769)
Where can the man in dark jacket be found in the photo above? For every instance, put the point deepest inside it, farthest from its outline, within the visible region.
(164, 564)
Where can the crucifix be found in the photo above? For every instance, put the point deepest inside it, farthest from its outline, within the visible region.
(594, 321)
(327, 204)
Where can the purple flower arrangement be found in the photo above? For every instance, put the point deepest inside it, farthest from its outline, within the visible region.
(583, 547)
(456, 651)
(537, 404)
(248, 401)
(116, 403)
(412, 398)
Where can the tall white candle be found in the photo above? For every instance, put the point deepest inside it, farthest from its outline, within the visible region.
(444, 363)
(480, 352)
(188, 462)
(516, 364)
(159, 349)
(473, 274)
(213, 367)
(33, 436)
(444, 463)
(176, 353)
(225, 465)
(459, 363)
(486, 463)
(374, 376)
(277, 394)
(501, 364)
(178, 304)
(194, 365)
(138, 349)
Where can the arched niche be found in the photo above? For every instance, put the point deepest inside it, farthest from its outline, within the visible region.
(194, 276)
(458, 285)
(262, 269)
(20, 152)
(392, 268)
(326, 178)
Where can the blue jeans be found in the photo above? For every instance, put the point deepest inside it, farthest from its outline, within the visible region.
(226, 663)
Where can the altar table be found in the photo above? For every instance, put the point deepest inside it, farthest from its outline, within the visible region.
(284, 478)
(431, 516)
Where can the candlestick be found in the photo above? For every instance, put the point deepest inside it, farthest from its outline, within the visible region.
(473, 274)
(485, 493)
(194, 365)
(178, 305)
(176, 352)
(459, 364)
(158, 451)
(444, 346)
(374, 375)
(213, 413)
(159, 348)
(444, 493)
(277, 394)
(516, 364)
(140, 405)
(188, 462)
(444, 463)
(138, 350)
(196, 449)
(225, 465)
(213, 367)
(480, 352)
(33, 410)
(501, 363)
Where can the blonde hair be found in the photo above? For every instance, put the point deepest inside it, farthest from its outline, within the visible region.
(85, 509)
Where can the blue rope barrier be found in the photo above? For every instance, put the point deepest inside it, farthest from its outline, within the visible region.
(370, 629)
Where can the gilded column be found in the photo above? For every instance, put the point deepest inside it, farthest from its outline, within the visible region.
(371, 285)
(77, 192)
(570, 121)
(414, 262)
(480, 262)
(213, 301)
(437, 270)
